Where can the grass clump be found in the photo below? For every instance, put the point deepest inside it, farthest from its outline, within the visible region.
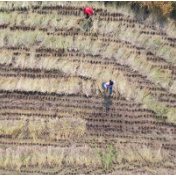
(108, 157)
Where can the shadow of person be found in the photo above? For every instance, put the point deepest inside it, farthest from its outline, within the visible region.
(86, 24)
(107, 102)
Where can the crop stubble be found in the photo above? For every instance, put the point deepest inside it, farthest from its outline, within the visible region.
(118, 121)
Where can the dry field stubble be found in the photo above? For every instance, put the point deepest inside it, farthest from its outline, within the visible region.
(55, 116)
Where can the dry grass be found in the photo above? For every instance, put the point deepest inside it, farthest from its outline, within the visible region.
(75, 85)
(12, 128)
(6, 57)
(171, 115)
(124, 34)
(65, 85)
(57, 157)
(64, 128)
(17, 157)
(142, 155)
(47, 157)
(140, 63)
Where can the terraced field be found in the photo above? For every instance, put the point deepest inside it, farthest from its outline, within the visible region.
(55, 117)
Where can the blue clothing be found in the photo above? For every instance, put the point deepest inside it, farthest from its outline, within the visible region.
(110, 90)
(106, 87)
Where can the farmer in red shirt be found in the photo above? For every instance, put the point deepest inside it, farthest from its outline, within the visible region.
(88, 12)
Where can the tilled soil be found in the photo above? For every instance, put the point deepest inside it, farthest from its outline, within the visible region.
(115, 121)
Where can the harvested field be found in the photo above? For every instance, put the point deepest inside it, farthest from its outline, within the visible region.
(56, 118)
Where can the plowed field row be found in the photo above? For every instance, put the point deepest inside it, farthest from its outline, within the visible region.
(121, 169)
(153, 60)
(159, 92)
(165, 66)
(62, 171)
(167, 40)
(111, 120)
(74, 10)
(140, 123)
(79, 111)
(15, 72)
(142, 82)
(90, 59)
(26, 106)
(79, 142)
(123, 138)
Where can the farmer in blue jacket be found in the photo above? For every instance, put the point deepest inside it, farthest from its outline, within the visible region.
(109, 85)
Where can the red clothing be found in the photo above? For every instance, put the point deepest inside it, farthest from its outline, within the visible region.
(108, 84)
(88, 11)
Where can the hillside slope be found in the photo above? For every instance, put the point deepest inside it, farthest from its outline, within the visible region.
(55, 116)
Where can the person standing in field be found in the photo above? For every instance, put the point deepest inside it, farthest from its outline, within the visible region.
(109, 85)
(88, 12)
